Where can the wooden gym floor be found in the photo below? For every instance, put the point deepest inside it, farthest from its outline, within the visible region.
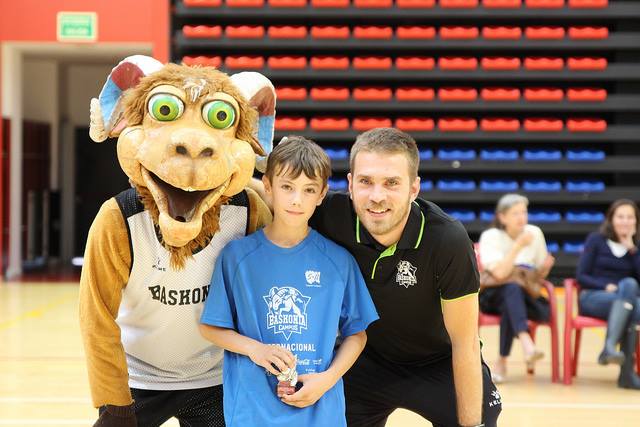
(43, 379)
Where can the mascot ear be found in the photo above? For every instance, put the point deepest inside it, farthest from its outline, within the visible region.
(262, 96)
(107, 115)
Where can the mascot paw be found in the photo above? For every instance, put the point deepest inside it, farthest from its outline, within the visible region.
(117, 416)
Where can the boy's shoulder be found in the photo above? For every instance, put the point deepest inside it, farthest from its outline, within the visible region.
(333, 251)
(238, 248)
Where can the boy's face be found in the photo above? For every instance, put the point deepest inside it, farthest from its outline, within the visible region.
(294, 199)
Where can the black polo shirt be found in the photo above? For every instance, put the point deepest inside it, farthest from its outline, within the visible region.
(433, 261)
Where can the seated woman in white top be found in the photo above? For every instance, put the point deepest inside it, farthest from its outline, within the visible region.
(515, 260)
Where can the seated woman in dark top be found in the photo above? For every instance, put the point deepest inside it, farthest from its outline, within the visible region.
(608, 273)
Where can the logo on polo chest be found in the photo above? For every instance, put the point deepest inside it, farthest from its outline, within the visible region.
(406, 275)
(287, 311)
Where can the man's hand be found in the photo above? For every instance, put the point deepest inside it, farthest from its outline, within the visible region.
(313, 387)
(117, 416)
(611, 287)
(273, 358)
(548, 262)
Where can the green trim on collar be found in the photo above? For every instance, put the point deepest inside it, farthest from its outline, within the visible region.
(421, 231)
(387, 252)
(357, 229)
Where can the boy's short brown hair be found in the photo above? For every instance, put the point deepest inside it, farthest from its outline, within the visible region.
(296, 154)
(389, 141)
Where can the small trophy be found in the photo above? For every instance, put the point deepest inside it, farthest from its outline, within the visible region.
(287, 381)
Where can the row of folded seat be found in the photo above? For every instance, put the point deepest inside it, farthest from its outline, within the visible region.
(499, 185)
(495, 154)
(446, 124)
(453, 94)
(401, 32)
(402, 63)
(574, 216)
(410, 4)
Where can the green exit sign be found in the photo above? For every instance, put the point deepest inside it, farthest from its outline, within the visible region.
(77, 26)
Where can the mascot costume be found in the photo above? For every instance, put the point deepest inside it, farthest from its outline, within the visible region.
(188, 139)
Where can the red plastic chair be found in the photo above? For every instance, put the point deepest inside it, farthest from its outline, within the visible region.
(492, 319)
(577, 323)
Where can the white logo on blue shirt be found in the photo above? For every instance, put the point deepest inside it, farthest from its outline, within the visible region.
(287, 311)
(406, 275)
(312, 277)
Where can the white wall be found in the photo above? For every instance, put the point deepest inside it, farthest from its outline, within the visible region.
(40, 82)
(83, 83)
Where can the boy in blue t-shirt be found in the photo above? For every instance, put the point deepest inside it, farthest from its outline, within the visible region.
(278, 298)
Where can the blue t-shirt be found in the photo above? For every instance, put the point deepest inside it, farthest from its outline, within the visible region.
(299, 298)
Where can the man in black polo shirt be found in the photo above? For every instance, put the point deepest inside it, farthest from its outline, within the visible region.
(423, 354)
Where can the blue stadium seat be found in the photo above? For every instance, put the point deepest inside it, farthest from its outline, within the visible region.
(337, 184)
(426, 154)
(584, 217)
(586, 185)
(498, 185)
(585, 155)
(462, 215)
(456, 185)
(337, 153)
(553, 247)
(544, 216)
(542, 155)
(455, 154)
(426, 185)
(498, 155)
(541, 185)
(573, 247)
(487, 216)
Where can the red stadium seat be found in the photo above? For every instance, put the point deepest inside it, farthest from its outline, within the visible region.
(330, 32)
(362, 124)
(586, 94)
(457, 94)
(459, 32)
(457, 63)
(202, 31)
(499, 124)
(501, 33)
(457, 124)
(372, 62)
(415, 4)
(290, 123)
(205, 61)
(330, 62)
(414, 94)
(545, 4)
(202, 3)
(502, 4)
(587, 64)
(543, 94)
(244, 32)
(252, 62)
(543, 64)
(542, 124)
(372, 32)
(330, 3)
(588, 4)
(587, 125)
(544, 33)
(330, 123)
(577, 323)
(291, 93)
(415, 32)
(329, 93)
(500, 63)
(500, 94)
(458, 4)
(415, 124)
(287, 62)
(287, 32)
(288, 3)
(373, 4)
(245, 3)
(415, 63)
(372, 94)
(588, 33)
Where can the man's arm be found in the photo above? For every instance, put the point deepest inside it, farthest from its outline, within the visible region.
(316, 385)
(460, 316)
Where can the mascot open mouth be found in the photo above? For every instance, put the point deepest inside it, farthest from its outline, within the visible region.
(182, 205)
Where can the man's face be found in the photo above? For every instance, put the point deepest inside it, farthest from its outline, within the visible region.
(294, 199)
(382, 191)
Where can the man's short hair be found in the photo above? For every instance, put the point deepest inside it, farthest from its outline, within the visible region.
(390, 141)
(296, 154)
